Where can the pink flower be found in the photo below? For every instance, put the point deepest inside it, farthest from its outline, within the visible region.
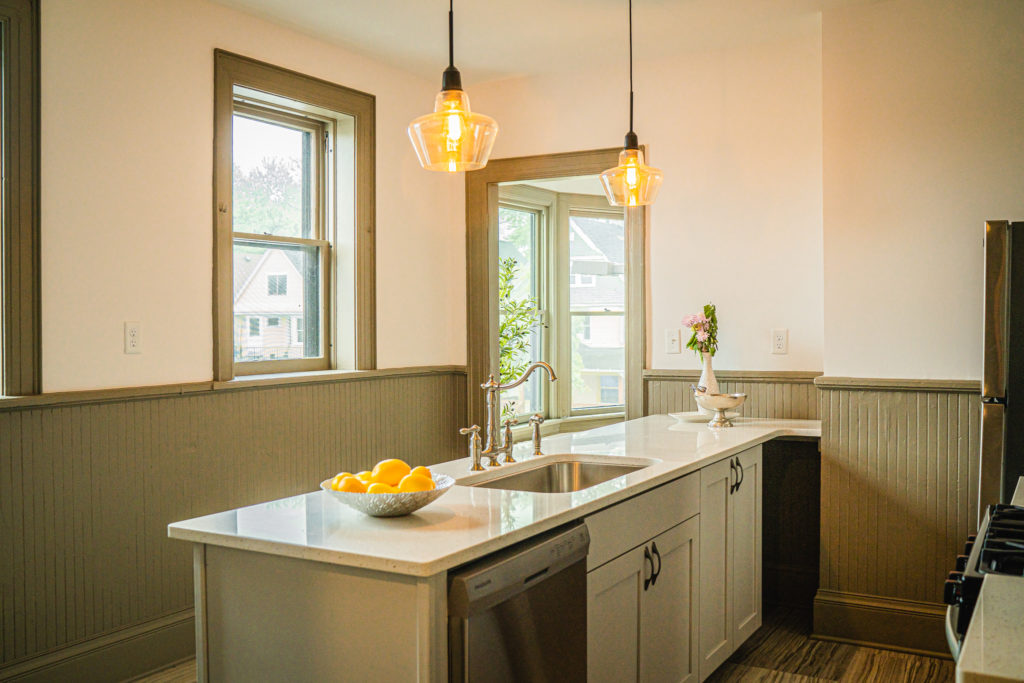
(697, 320)
(702, 335)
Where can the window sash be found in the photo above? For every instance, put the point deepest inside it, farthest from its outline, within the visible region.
(318, 215)
(539, 391)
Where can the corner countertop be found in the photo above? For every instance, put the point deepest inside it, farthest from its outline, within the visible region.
(992, 649)
(469, 522)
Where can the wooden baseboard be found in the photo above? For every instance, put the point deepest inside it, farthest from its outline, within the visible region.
(118, 656)
(875, 621)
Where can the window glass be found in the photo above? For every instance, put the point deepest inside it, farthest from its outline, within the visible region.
(296, 307)
(597, 304)
(519, 317)
(272, 172)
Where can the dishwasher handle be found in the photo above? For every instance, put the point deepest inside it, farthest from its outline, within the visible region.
(508, 572)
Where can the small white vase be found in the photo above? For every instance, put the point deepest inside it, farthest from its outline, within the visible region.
(708, 381)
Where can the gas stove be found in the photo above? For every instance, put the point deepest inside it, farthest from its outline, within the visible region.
(998, 548)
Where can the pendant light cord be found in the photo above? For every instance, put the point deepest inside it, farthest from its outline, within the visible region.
(631, 66)
(451, 34)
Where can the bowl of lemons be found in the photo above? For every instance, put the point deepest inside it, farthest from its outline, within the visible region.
(391, 489)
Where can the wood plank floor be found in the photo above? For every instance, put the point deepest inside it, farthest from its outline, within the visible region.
(780, 652)
(783, 651)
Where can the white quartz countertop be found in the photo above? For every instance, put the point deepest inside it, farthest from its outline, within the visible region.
(469, 522)
(993, 649)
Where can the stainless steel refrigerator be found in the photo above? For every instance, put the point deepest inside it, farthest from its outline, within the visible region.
(1002, 417)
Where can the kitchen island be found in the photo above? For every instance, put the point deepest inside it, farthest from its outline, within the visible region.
(307, 586)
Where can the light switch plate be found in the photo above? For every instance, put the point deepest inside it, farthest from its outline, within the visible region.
(673, 341)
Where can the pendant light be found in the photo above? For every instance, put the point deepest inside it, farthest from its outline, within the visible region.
(632, 182)
(453, 138)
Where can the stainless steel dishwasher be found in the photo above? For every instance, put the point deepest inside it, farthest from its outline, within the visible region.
(521, 613)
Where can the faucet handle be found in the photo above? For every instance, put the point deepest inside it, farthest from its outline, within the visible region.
(535, 422)
(508, 424)
(474, 447)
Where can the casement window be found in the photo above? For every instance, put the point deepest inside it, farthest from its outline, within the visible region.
(569, 253)
(20, 370)
(294, 221)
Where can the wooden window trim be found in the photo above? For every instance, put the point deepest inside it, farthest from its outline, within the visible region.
(231, 70)
(20, 327)
(482, 280)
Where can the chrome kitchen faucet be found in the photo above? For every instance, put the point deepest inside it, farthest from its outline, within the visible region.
(492, 449)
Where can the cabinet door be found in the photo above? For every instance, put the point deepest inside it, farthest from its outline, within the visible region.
(715, 624)
(745, 532)
(668, 608)
(613, 617)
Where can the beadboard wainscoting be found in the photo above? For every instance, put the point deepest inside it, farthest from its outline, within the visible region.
(91, 588)
(899, 478)
(769, 394)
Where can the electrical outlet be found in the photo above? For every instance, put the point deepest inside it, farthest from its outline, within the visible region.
(132, 337)
(780, 341)
(673, 342)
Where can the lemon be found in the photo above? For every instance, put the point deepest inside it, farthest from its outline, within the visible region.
(365, 476)
(351, 484)
(390, 472)
(422, 471)
(415, 482)
(381, 488)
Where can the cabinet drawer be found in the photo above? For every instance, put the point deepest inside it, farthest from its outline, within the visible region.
(626, 525)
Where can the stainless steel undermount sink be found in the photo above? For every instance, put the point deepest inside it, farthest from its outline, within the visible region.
(559, 476)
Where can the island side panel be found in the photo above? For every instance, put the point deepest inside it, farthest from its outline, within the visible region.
(276, 618)
(199, 582)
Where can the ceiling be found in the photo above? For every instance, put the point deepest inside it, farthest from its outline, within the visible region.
(502, 38)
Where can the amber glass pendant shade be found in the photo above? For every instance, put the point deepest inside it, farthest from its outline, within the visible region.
(453, 138)
(632, 182)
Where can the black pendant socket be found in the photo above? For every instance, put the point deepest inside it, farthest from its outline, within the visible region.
(631, 141)
(451, 79)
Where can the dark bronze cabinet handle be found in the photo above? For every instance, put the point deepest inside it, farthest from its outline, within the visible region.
(648, 580)
(657, 573)
(732, 472)
(739, 471)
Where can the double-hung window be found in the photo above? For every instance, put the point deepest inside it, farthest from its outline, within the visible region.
(294, 222)
(568, 252)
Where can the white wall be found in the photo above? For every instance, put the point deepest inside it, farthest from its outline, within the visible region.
(127, 130)
(923, 141)
(738, 222)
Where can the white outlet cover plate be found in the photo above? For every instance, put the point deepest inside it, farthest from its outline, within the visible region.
(132, 337)
(780, 341)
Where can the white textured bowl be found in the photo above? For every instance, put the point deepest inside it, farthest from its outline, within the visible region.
(390, 504)
(719, 401)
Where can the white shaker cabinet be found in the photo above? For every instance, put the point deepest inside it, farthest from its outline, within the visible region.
(641, 609)
(642, 605)
(730, 556)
